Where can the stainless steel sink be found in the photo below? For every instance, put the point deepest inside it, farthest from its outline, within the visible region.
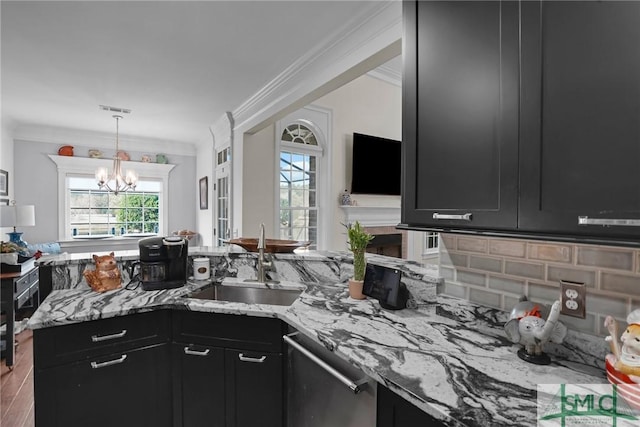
(248, 294)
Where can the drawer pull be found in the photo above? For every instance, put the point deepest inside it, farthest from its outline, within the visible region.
(243, 358)
(463, 217)
(96, 338)
(585, 220)
(96, 365)
(187, 350)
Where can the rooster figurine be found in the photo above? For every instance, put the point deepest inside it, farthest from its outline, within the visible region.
(106, 276)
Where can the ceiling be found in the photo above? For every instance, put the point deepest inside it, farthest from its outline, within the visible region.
(178, 65)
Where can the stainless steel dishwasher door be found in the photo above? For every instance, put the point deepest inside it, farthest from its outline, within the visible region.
(316, 397)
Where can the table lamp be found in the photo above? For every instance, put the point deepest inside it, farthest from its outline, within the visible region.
(17, 216)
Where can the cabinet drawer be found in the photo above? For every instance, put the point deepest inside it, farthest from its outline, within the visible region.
(231, 331)
(62, 344)
(26, 282)
(124, 389)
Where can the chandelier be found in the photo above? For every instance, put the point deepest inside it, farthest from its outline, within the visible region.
(116, 182)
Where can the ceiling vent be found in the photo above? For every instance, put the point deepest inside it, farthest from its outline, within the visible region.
(115, 109)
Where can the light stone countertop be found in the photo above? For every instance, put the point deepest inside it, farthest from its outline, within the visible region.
(450, 358)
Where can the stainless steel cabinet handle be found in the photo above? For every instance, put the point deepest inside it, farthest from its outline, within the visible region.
(96, 365)
(243, 358)
(187, 350)
(355, 386)
(463, 217)
(585, 220)
(96, 338)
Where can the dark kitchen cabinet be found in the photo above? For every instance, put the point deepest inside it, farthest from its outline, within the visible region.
(394, 411)
(521, 118)
(234, 370)
(104, 373)
(460, 114)
(199, 385)
(254, 389)
(580, 117)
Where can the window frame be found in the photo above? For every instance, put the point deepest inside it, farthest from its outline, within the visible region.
(320, 120)
(318, 152)
(434, 250)
(95, 193)
(76, 166)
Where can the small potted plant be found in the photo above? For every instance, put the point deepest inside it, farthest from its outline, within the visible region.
(358, 241)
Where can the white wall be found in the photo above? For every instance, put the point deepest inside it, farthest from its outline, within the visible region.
(205, 217)
(365, 105)
(259, 195)
(36, 177)
(6, 163)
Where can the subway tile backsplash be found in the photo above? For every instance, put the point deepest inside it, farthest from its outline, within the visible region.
(496, 271)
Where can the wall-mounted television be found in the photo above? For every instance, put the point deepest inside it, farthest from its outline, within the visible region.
(376, 165)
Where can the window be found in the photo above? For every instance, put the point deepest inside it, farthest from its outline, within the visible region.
(81, 205)
(221, 188)
(298, 201)
(431, 242)
(98, 212)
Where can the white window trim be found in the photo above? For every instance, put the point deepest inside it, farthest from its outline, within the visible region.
(430, 251)
(69, 165)
(323, 151)
(222, 170)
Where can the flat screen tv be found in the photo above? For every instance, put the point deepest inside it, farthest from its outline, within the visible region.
(376, 165)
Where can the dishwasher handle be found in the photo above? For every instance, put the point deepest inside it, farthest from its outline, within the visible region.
(355, 386)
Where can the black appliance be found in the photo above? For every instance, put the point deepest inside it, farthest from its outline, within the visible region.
(383, 284)
(376, 165)
(163, 262)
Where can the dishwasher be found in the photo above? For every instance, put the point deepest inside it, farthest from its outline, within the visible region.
(324, 390)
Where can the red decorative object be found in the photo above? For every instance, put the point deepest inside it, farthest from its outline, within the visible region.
(66, 150)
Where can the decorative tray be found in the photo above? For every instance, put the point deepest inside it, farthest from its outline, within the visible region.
(250, 244)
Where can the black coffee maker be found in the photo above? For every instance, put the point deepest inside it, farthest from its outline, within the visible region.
(163, 262)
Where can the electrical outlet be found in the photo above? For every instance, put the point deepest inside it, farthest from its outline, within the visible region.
(573, 298)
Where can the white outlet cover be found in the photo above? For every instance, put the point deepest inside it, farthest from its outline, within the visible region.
(571, 293)
(571, 304)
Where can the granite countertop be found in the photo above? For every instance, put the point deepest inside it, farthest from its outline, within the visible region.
(450, 358)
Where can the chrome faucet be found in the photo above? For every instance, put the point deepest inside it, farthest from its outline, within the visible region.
(263, 264)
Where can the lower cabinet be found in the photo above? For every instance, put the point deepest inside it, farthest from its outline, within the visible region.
(198, 385)
(228, 371)
(104, 373)
(254, 389)
(122, 389)
(174, 369)
(394, 411)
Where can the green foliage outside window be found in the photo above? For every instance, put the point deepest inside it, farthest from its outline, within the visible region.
(139, 212)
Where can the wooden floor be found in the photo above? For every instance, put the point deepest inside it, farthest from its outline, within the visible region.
(16, 386)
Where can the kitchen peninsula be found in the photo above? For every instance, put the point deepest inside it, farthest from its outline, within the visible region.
(448, 357)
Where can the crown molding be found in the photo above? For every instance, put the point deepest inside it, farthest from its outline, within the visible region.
(222, 130)
(93, 139)
(387, 74)
(377, 28)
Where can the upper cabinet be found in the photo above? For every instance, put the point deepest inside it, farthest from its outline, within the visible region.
(522, 117)
(580, 118)
(460, 116)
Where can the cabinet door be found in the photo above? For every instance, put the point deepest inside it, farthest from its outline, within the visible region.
(254, 389)
(394, 411)
(580, 126)
(131, 389)
(460, 115)
(198, 385)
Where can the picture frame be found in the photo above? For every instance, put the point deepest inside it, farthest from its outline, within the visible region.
(204, 193)
(4, 183)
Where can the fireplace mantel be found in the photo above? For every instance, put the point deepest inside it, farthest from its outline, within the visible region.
(372, 216)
